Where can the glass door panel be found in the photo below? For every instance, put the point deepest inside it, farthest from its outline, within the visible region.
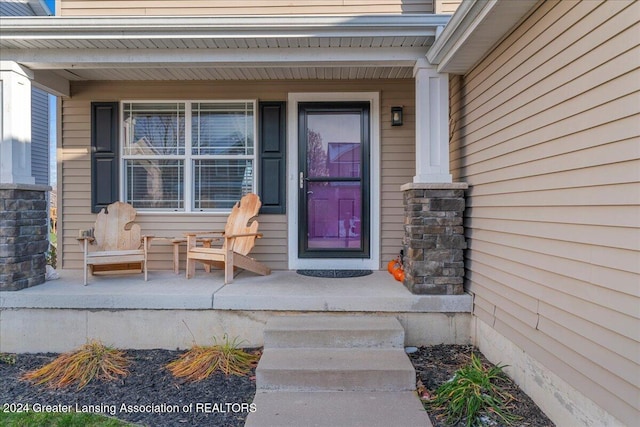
(334, 152)
(333, 215)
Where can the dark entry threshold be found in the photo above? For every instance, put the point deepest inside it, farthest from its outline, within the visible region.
(334, 274)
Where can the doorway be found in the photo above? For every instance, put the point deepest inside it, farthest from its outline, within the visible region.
(334, 184)
(347, 236)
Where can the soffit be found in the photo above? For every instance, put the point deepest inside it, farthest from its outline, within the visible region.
(240, 73)
(226, 48)
(366, 42)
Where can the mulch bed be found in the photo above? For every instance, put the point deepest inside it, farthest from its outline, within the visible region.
(218, 400)
(436, 364)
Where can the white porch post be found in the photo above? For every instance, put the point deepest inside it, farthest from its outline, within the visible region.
(432, 124)
(15, 122)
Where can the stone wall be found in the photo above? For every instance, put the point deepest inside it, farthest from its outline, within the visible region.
(23, 235)
(434, 238)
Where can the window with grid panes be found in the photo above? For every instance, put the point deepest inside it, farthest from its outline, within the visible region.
(188, 156)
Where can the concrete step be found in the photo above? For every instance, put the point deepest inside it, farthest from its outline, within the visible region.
(333, 331)
(338, 369)
(337, 409)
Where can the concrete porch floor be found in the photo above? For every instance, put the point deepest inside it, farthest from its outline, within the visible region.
(280, 291)
(169, 311)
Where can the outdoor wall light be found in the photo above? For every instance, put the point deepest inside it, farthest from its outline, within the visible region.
(396, 116)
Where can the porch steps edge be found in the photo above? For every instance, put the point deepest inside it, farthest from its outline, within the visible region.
(324, 369)
(331, 409)
(315, 331)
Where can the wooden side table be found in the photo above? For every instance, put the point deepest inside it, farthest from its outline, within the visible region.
(206, 242)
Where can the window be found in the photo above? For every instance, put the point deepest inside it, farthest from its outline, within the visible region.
(170, 166)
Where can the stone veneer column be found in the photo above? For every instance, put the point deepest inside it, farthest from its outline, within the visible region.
(23, 235)
(434, 238)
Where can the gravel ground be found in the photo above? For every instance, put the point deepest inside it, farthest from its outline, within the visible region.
(436, 364)
(216, 401)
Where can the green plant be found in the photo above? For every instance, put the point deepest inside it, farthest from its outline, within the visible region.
(92, 360)
(51, 255)
(8, 359)
(201, 361)
(472, 393)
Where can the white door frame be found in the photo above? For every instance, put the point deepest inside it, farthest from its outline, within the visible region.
(373, 262)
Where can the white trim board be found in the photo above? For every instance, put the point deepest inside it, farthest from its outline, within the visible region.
(373, 262)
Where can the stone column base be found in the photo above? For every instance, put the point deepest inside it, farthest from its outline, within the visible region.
(434, 238)
(23, 235)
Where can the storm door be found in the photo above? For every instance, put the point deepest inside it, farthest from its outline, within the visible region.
(333, 180)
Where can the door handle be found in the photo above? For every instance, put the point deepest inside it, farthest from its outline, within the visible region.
(309, 192)
(301, 180)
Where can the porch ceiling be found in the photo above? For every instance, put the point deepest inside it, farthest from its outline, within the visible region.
(220, 48)
(239, 73)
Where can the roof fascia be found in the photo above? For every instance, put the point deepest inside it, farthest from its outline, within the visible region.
(459, 28)
(273, 57)
(471, 32)
(132, 27)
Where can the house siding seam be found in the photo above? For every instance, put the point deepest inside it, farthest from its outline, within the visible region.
(246, 7)
(544, 130)
(397, 168)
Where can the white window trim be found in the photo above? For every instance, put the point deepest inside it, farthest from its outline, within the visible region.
(373, 262)
(188, 156)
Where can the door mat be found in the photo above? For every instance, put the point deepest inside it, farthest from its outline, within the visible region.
(334, 274)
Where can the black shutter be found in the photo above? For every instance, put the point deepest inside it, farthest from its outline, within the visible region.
(273, 159)
(104, 154)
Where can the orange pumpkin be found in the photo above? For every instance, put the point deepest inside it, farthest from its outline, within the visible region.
(393, 265)
(399, 274)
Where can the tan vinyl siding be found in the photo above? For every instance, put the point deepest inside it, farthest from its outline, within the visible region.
(446, 6)
(397, 152)
(545, 130)
(242, 7)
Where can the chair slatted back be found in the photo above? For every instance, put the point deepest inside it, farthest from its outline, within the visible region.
(240, 222)
(112, 231)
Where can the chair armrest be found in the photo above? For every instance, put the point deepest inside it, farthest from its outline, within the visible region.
(200, 233)
(85, 238)
(233, 236)
(84, 242)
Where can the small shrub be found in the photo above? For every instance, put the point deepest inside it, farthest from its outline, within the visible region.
(201, 361)
(8, 359)
(92, 360)
(51, 256)
(472, 393)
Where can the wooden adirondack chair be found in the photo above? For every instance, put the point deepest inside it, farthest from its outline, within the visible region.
(239, 237)
(115, 242)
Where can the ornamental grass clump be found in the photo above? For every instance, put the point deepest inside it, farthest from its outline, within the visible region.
(9, 359)
(92, 360)
(201, 361)
(473, 394)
